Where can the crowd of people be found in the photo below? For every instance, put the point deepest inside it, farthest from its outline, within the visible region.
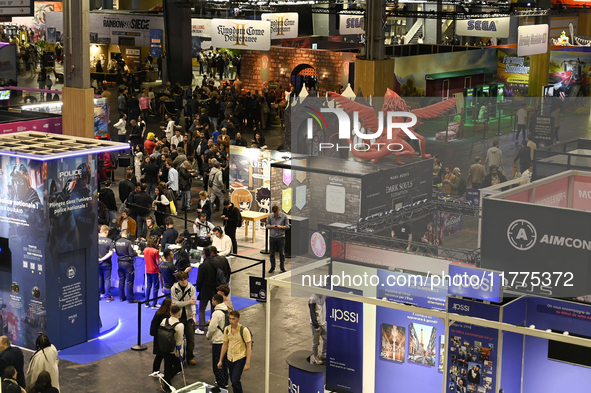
(42, 375)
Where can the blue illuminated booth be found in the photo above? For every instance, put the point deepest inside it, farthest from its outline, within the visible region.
(48, 237)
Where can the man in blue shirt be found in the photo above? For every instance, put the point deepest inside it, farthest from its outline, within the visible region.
(278, 224)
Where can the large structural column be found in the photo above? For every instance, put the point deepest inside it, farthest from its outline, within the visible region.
(177, 23)
(432, 26)
(539, 66)
(78, 108)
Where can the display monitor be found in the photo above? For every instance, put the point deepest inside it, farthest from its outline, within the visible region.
(4, 95)
(569, 353)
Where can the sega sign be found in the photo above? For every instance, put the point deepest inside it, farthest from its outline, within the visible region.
(350, 24)
(485, 27)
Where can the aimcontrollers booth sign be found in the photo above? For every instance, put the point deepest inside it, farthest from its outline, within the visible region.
(241, 34)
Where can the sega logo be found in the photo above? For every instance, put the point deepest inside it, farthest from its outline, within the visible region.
(347, 316)
(353, 23)
(483, 25)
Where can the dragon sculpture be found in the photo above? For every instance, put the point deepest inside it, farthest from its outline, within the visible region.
(392, 103)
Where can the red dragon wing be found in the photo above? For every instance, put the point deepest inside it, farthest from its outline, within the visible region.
(435, 110)
(367, 115)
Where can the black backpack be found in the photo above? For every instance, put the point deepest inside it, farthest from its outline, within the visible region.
(226, 319)
(239, 224)
(166, 339)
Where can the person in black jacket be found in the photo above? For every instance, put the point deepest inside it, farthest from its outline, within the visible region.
(185, 178)
(221, 262)
(494, 177)
(9, 384)
(126, 187)
(152, 171)
(231, 218)
(162, 313)
(524, 156)
(206, 286)
(125, 254)
(143, 209)
(13, 356)
(107, 196)
(170, 235)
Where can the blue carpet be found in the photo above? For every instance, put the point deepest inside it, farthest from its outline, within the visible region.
(119, 331)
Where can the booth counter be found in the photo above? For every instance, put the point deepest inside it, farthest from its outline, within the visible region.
(48, 237)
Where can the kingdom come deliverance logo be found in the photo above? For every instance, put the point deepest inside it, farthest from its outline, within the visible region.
(240, 34)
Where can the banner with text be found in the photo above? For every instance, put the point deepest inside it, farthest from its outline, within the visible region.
(533, 40)
(486, 27)
(284, 25)
(350, 24)
(241, 34)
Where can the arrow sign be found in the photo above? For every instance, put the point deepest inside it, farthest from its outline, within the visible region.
(20, 8)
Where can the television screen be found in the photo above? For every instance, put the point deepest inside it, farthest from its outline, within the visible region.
(4, 95)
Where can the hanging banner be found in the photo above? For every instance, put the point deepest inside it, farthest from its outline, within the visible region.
(344, 363)
(241, 34)
(8, 67)
(488, 27)
(532, 40)
(283, 25)
(350, 24)
(286, 200)
(201, 27)
(287, 176)
(300, 197)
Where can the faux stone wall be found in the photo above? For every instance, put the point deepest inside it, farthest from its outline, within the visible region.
(286, 59)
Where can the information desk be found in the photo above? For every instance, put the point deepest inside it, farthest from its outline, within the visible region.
(250, 216)
(304, 376)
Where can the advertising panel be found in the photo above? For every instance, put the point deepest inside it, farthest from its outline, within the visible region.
(107, 28)
(155, 42)
(8, 66)
(532, 40)
(101, 116)
(472, 358)
(513, 71)
(476, 283)
(350, 24)
(582, 193)
(543, 132)
(51, 124)
(283, 25)
(526, 241)
(241, 34)
(485, 27)
(200, 35)
(344, 363)
(411, 289)
(408, 351)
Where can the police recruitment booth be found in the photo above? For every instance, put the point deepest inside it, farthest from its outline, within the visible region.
(48, 237)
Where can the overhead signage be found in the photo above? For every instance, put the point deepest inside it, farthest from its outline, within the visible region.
(16, 8)
(283, 25)
(475, 283)
(412, 289)
(350, 24)
(201, 27)
(241, 34)
(484, 27)
(532, 40)
(543, 132)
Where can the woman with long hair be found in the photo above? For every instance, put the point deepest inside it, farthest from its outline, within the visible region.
(44, 360)
(43, 384)
(162, 313)
(161, 205)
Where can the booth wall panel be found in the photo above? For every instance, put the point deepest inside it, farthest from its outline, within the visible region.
(553, 194)
(511, 368)
(582, 193)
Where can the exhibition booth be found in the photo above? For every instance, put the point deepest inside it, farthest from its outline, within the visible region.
(544, 226)
(560, 157)
(17, 120)
(48, 240)
(439, 336)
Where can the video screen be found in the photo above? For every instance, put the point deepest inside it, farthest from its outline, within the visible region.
(4, 95)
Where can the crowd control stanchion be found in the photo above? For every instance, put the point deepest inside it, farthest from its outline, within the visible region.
(266, 250)
(139, 346)
(499, 122)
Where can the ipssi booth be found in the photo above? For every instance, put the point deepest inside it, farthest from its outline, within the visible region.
(48, 237)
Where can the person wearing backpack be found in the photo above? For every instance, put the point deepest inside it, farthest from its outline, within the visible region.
(232, 220)
(162, 313)
(206, 280)
(216, 183)
(222, 266)
(184, 295)
(170, 342)
(238, 348)
(220, 318)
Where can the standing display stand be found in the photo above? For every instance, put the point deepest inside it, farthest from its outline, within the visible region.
(49, 228)
(304, 376)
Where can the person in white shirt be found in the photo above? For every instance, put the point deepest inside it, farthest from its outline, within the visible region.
(521, 121)
(121, 127)
(172, 364)
(177, 138)
(173, 178)
(169, 129)
(527, 174)
(420, 40)
(202, 227)
(215, 333)
(222, 242)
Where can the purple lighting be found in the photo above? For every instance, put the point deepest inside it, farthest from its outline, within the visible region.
(76, 153)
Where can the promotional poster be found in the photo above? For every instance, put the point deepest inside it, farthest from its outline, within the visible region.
(49, 228)
(344, 363)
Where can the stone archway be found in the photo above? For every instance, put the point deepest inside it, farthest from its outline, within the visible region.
(299, 74)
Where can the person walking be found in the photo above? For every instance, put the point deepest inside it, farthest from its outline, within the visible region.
(215, 333)
(162, 313)
(125, 255)
(238, 348)
(476, 174)
(278, 224)
(43, 360)
(494, 156)
(183, 294)
(317, 308)
(524, 157)
(521, 121)
(172, 360)
(206, 286)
